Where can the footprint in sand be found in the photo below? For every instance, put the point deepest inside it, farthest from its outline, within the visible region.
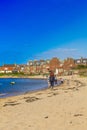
(39, 93)
(76, 115)
(53, 94)
(31, 99)
(10, 104)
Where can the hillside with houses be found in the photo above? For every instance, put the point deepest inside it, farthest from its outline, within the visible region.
(42, 67)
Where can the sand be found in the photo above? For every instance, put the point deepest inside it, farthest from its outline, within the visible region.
(61, 108)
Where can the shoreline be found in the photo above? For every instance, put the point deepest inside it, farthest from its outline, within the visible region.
(34, 91)
(24, 77)
(28, 92)
(64, 107)
(6, 95)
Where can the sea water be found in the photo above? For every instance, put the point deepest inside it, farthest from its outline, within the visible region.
(20, 86)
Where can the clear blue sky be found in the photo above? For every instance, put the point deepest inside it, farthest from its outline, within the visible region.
(35, 29)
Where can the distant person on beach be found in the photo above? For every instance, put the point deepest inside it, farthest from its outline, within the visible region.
(62, 81)
(48, 81)
(55, 80)
(52, 79)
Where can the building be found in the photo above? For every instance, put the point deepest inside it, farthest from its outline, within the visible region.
(68, 65)
(54, 64)
(81, 61)
(9, 68)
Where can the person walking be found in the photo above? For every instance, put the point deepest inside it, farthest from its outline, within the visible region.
(55, 80)
(48, 81)
(52, 79)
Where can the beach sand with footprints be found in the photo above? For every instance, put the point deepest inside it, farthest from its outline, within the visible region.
(61, 108)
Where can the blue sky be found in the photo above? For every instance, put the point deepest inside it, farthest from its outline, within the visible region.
(39, 29)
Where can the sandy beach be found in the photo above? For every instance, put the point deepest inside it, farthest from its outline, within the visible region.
(61, 108)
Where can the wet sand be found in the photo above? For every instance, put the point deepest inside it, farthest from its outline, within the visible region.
(61, 108)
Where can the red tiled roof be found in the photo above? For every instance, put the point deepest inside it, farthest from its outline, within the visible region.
(6, 68)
